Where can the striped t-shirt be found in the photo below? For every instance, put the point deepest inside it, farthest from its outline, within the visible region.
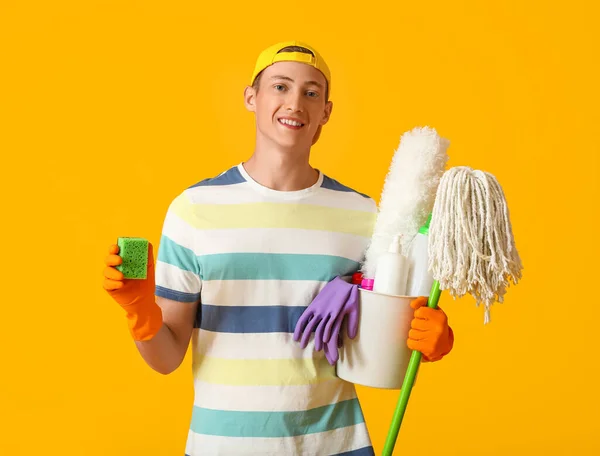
(256, 258)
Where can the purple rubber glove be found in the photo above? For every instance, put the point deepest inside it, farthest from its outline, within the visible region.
(330, 349)
(325, 316)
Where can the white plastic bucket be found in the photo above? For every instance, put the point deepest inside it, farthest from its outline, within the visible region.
(378, 356)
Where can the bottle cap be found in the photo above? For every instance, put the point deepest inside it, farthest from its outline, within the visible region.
(367, 284)
(425, 228)
(357, 278)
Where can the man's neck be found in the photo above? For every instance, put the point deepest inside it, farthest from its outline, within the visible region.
(282, 170)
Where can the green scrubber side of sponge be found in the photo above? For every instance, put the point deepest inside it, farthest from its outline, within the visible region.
(134, 252)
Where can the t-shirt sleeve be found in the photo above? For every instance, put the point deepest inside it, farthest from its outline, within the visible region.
(178, 276)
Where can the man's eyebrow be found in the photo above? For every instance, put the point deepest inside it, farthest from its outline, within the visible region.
(318, 84)
(287, 78)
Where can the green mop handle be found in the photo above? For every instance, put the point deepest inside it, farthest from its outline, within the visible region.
(409, 380)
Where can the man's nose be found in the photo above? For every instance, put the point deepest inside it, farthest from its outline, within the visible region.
(294, 101)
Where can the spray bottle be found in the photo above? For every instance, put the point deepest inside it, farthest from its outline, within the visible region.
(392, 271)
(420, 279)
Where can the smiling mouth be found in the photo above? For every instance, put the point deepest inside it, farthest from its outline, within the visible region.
(290, 124)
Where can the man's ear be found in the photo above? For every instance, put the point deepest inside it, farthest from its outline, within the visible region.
(324, 120)
(250, 98)
(328, 109)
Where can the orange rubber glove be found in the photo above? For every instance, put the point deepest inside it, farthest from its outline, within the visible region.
(430, 333)
(135, 296)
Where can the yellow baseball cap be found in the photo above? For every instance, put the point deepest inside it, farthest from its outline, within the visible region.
(271, 55)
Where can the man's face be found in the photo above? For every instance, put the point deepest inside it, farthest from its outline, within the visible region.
(290, 104)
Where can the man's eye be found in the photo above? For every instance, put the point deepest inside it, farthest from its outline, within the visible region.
(279, 87)
(312, 94)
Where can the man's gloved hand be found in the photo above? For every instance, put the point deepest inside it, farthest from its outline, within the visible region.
(135, 296)
(326, 313)
(430, 333)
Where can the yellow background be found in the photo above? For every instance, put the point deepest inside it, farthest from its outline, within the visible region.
(110, 108)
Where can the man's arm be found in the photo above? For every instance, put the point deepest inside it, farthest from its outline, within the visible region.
(161, 328)
(161, 309)
(166, 350)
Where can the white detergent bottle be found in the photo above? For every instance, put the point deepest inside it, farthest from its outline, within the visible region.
(391, 271)
(420, 279)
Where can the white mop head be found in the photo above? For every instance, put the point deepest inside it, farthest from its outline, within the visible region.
(408, 193)
(471, 243)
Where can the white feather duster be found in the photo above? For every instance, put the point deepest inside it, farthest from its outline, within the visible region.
(408, 193)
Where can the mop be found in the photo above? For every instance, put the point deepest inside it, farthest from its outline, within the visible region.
(471, 250)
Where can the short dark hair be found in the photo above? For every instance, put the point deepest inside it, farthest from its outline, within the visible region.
(256, 82)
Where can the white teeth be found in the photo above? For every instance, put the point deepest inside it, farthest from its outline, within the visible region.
(290, 122)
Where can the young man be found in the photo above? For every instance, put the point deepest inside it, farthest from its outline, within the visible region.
(254, 267)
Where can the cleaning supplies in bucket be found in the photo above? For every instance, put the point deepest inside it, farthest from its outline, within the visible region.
(391, 273)
(405, 275)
